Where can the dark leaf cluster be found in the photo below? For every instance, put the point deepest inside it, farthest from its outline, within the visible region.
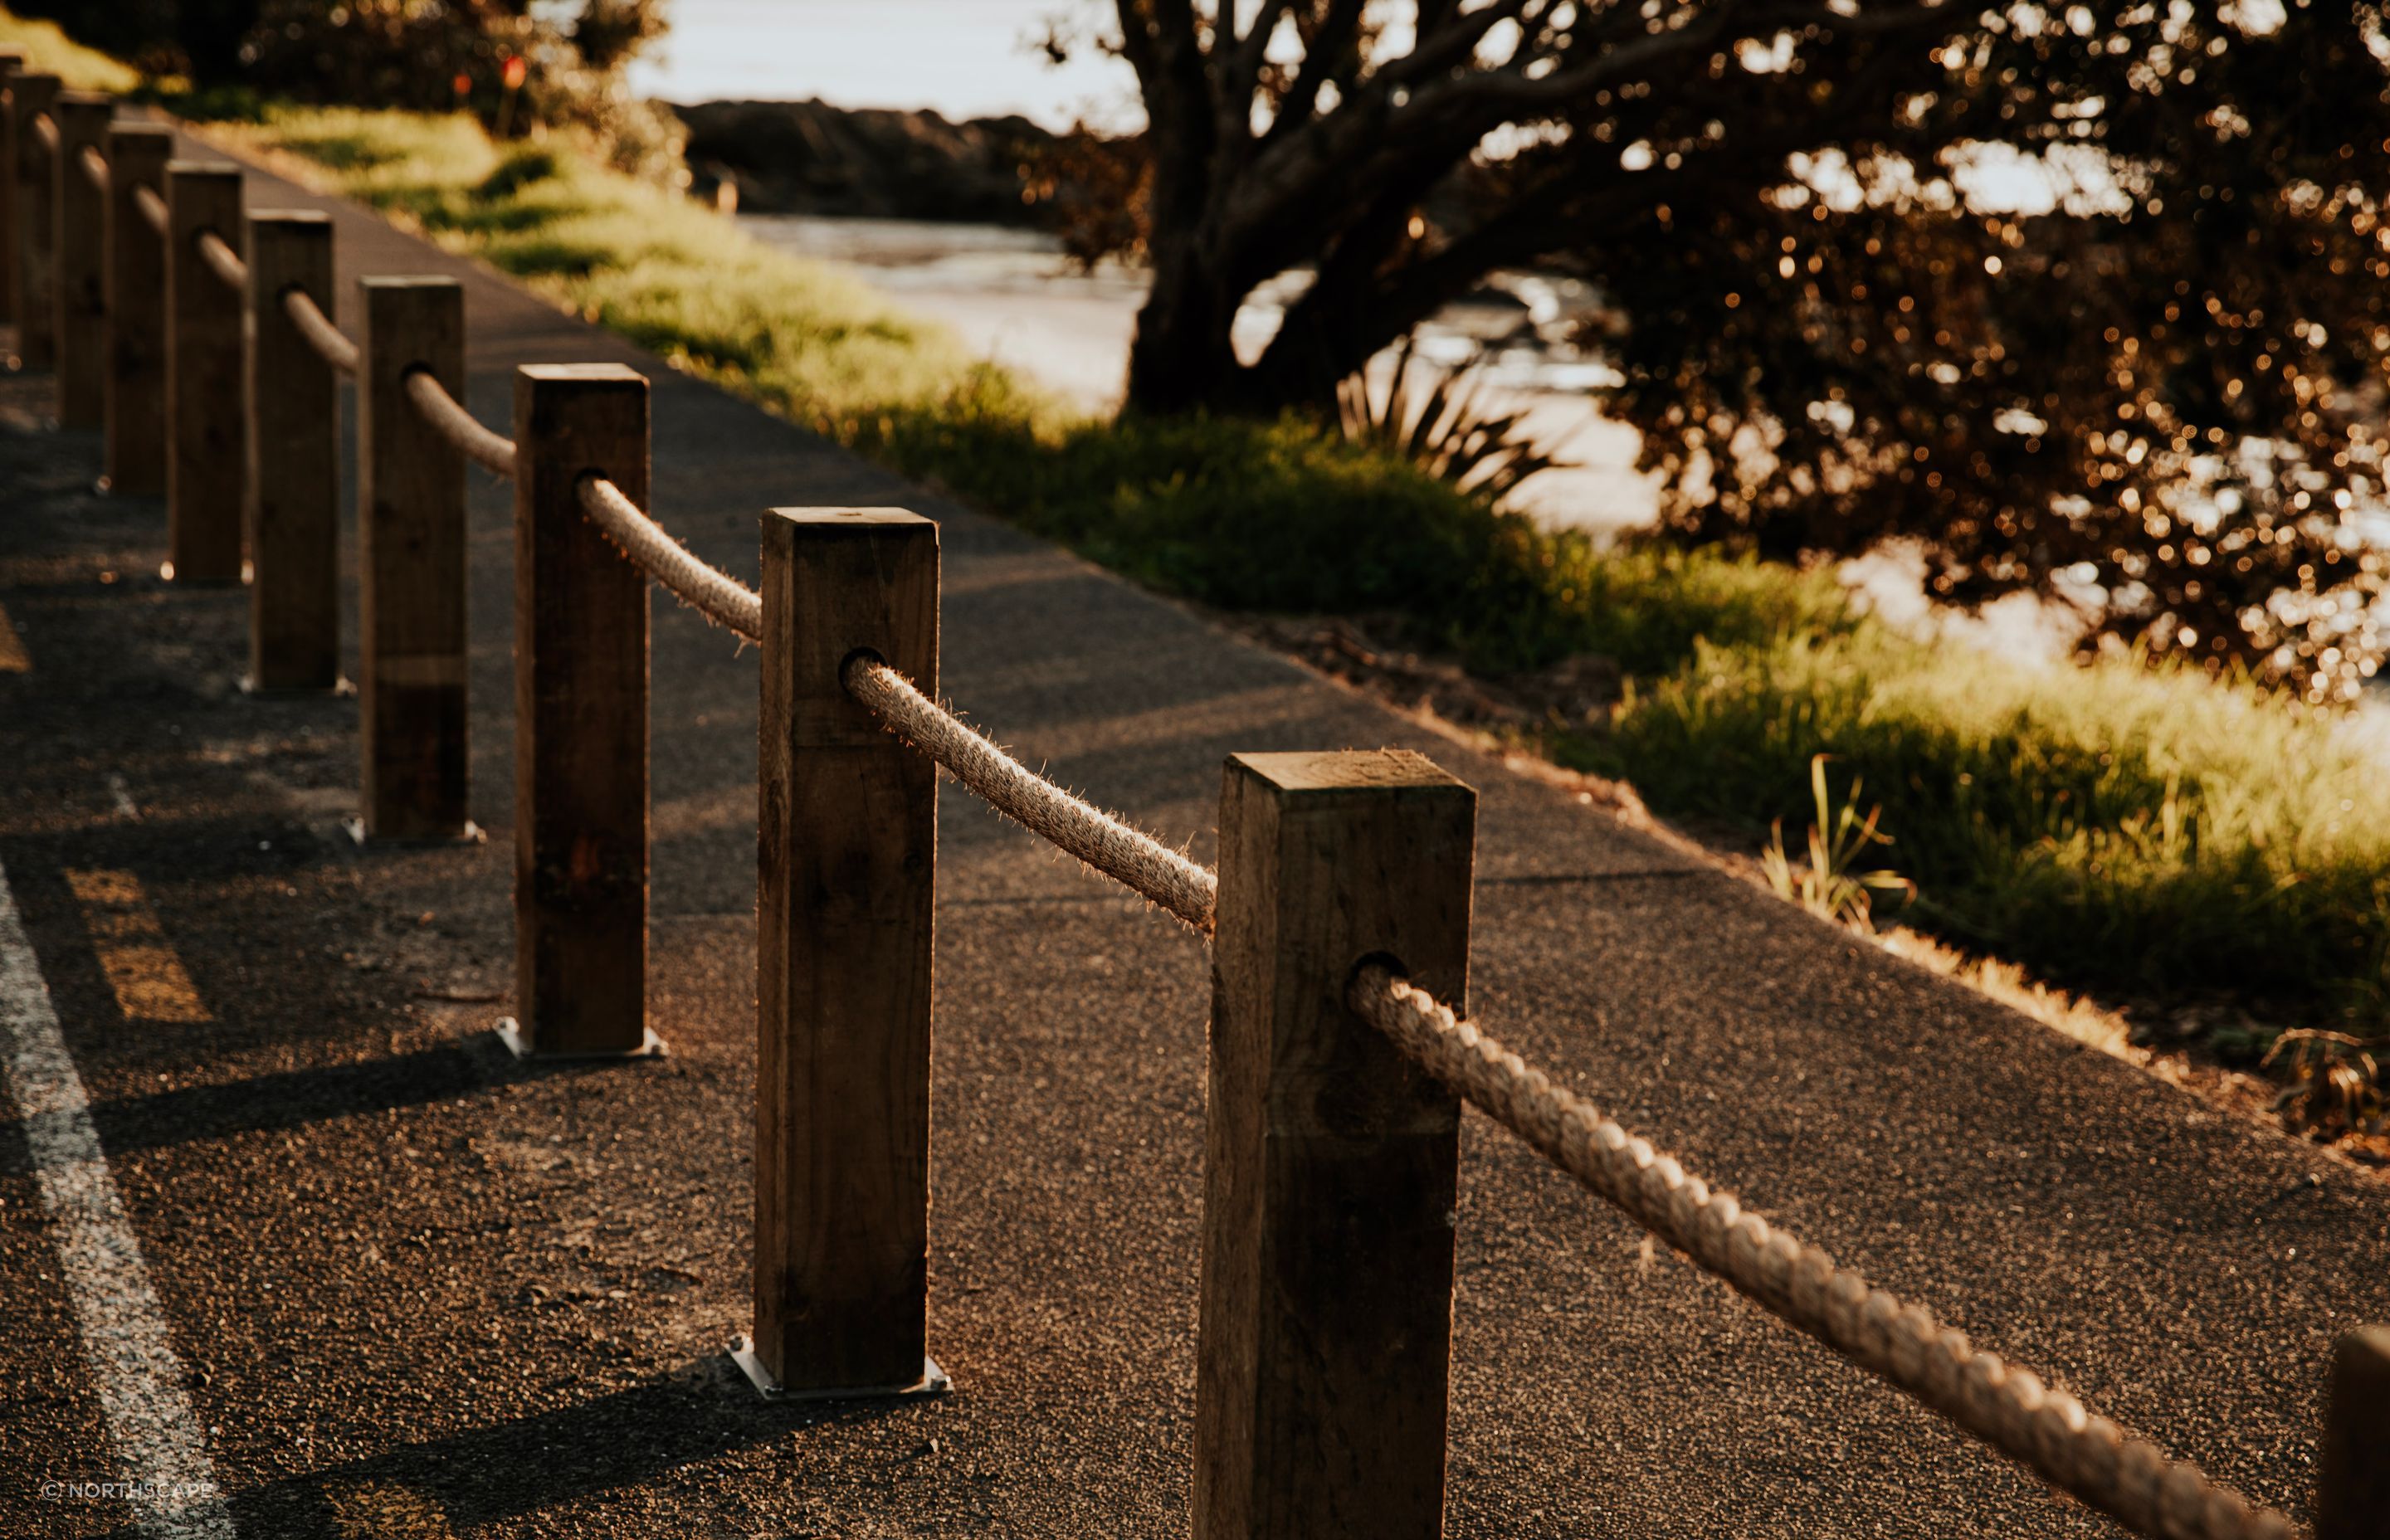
(2079, 298)
(439, 57)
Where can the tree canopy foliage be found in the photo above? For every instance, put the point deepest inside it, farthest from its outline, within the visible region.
(2082, 299)
(519, 64)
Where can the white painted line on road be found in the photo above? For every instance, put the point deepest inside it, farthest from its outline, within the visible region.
(161, 1455)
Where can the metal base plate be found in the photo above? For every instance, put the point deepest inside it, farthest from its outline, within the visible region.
(933, 1380)
(339, 690)
(355, 830)
(509, 1032)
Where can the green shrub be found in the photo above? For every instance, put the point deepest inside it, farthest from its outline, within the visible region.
(2152, 832)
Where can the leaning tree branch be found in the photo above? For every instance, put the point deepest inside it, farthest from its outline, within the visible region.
(1362, 146)
(1356, 306)
(1333, 56)
(1163, 42)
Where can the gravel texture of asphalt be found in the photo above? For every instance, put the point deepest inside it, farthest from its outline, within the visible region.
(421, 1289)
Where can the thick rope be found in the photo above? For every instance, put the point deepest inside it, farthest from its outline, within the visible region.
(2006, 1407)
(711, 592)
(330, 345)
(456, 424)
(1127, 856)
(46, 129)
(152, 207)
(223, 261)
(95, 167)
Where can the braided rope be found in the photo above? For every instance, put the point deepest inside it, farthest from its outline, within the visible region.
(2009, 1408)
(152, 207)
(95, 167)
(707, 590)
(46, 129)
(223, 261)
(456, 424)
(1127, 856)
(330, 345)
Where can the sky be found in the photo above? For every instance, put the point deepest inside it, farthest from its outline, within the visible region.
(966, 58)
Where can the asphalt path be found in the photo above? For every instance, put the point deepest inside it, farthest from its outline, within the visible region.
(419, 1289)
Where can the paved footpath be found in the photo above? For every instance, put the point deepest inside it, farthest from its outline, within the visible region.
(419, 1291)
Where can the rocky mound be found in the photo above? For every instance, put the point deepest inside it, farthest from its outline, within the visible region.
(811, 158)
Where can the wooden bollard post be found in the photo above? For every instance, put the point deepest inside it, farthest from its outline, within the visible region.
(846, 856)
(137, 154)
(1329, 1160)
(12, 63)
(294, 461)
(2353, 1495)
(411, 534)
(33, 296)
(581, 720)
(81, 220)
(206, 445)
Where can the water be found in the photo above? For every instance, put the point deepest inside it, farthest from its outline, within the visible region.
(965, 58)
(1014, 297)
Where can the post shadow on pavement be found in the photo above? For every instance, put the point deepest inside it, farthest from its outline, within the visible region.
(294, 1098)
(484, 1475)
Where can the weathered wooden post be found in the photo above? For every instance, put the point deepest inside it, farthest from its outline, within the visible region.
(207, 446)
(33, 297)
(81, 219)
(294, 461)
(1329, 1162)
(12, 63)
(136, 413)
(411, 538)
(2353, 1495)
(846, 856)
(581, 720)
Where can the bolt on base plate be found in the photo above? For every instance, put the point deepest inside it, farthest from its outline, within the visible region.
(509, 1032)
(933, 1380)
(355, 830)
(343, 688)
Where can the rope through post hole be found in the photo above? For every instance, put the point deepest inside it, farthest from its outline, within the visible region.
(95, 167)
(1127, 856)
(327, 340)
(452, 422)
(46, 129)
(711, 592)
(223, 261)
(152, 207)
(2009, 1408)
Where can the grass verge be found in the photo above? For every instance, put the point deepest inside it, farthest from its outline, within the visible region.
(48, 50)
(2135, 834)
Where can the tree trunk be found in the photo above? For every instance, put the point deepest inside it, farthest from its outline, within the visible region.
(1183, 359)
